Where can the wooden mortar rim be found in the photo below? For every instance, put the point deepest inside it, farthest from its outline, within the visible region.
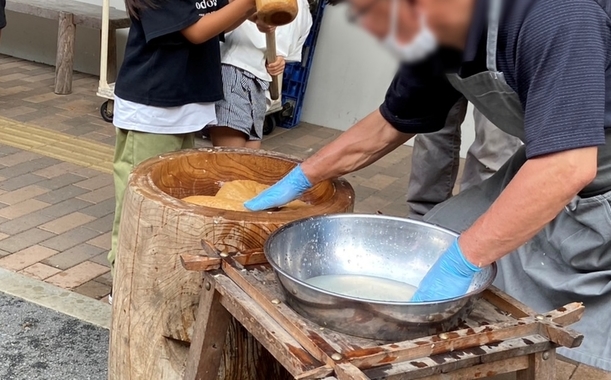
(141, 182)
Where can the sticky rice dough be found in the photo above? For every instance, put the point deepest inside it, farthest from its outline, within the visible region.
(233, 194)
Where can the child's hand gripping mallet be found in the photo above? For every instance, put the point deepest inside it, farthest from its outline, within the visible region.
(275, 13)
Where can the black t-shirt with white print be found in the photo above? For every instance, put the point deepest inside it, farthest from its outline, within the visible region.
(161, 67)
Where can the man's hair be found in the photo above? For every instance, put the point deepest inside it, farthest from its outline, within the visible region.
(134, 6)
(335, 2)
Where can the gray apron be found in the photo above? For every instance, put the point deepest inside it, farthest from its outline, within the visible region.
(570, 259)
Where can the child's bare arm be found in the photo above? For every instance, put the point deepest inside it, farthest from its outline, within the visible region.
(213, 24)
(236, 24)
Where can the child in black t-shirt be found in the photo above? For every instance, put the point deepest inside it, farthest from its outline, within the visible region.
(169, 80)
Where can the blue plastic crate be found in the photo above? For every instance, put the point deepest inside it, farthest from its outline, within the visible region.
(296, 74)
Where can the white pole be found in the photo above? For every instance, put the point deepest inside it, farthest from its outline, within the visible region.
(104, 44)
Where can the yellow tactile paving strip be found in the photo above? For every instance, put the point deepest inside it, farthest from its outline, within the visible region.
(57, 145)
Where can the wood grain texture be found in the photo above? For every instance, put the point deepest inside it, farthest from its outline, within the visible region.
(541, 367)
(485, 370)
(155, 299)
(282, 314)
(276, 12)
(207, 263)
(280, 346)
(346, 371)
(111, 68)
(206, 349)
(504, 302)
(490, 342)
(270, 57)
(475, 338)
(454, 364)
(568, 314)
(64, 62)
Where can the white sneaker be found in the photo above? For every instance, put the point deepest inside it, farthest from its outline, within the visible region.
(110, 298)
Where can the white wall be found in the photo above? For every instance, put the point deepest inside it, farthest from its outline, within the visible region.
(349, 76)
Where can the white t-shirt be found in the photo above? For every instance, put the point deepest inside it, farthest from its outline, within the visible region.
(163, 120)
(245, 46)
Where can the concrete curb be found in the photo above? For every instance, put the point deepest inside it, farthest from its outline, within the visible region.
(64, 301)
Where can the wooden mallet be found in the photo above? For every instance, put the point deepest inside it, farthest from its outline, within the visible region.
(270, 57)
(275, 13)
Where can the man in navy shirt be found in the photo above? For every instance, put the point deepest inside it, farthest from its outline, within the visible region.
(2, 15)
(539, 70)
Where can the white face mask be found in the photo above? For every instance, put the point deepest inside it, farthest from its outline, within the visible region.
(423, 44)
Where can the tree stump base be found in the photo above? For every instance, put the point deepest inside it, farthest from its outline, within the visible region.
(155, 299)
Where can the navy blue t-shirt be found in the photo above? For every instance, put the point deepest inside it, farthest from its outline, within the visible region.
(161, 67)
(2, 14)
(555, 54)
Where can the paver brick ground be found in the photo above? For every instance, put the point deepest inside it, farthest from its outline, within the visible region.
(67, 222)
(56, 214)
(78, 275)
(26, 257)
(75, 255)
(40, 271)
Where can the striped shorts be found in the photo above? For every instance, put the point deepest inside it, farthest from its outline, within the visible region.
(244, 105)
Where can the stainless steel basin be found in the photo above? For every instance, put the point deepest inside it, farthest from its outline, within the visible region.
(369, 245)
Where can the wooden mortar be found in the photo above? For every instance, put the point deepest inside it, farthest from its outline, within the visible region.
(154, 298)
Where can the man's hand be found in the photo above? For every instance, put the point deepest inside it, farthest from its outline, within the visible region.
(276, 68)
(450, 277)
(289, 188)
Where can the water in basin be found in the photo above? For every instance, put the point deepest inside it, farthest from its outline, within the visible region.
(364, 287)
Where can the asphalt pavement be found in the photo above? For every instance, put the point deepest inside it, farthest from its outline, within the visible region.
(40, 343)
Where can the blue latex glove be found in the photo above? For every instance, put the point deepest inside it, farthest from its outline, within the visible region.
(289, 188)
(450, 277)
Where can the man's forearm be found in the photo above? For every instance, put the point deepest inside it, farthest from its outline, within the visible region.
(536, 195)
(363, 144)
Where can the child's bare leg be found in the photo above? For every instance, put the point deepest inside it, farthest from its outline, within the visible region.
(225, 136)
(253, 144)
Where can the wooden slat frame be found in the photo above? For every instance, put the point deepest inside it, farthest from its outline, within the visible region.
(467, 361)
(409, 350)
(268, 332)
(510, 343)
(208, 340)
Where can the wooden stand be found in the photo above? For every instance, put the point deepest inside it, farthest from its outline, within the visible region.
(501, 335)
(155, 300)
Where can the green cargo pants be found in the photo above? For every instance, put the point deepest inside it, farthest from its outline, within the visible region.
(131, 149)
